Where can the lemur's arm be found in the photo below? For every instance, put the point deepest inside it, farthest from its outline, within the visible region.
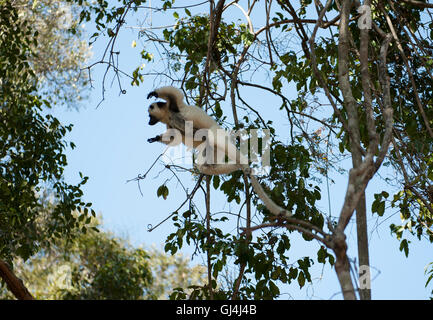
(155, 139)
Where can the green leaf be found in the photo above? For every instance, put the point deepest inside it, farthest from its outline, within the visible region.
(321, 255)
(275, 291)
(216, 182)
(162, 191)
(110, 32)
(301, 279)
(404, 246)
(378, 205)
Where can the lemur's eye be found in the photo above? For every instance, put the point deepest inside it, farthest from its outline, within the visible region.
(151, 107)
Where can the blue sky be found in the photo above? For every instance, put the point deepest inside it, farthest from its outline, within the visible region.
(112, 148)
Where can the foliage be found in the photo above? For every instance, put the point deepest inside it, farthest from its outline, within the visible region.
(61, 49)
(170, 272)
(97, 265)
(31, 151)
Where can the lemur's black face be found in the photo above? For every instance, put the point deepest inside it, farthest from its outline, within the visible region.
(156, 111)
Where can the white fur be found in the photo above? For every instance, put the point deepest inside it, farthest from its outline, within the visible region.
(200, 119)
(217, 144)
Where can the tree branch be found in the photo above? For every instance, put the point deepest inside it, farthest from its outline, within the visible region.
(418, 3)
(326, 241)
(409, 72)
(14, 284)
(209, 239)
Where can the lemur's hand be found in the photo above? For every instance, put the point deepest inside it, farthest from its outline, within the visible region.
(154, 139)
(152, 94)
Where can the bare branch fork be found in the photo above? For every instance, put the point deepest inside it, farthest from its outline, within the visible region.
(112, 63)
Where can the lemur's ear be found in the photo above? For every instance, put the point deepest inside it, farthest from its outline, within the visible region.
(152, 94)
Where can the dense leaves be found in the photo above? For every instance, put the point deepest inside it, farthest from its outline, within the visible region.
(98, 265)
(32, 148)
(61, 50)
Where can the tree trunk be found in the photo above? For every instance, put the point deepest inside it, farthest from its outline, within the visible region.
(342, 266)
